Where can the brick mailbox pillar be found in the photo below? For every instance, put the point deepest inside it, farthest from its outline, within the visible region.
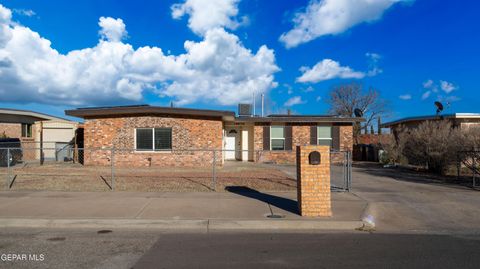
(313, 181)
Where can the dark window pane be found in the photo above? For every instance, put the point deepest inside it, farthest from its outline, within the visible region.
(144, 139)
(163, 139)
(29, 130)
(26, 130)
(278, 144)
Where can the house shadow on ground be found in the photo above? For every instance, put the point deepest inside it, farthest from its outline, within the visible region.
(277, 201)
(409, 174)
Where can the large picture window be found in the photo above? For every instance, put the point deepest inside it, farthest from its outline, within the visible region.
(324, 135)
(277, 138)
(153, 139)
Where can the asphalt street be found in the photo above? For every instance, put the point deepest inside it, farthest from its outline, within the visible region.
(148, 249)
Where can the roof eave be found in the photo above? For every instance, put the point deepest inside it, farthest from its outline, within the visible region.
(92, 113)
(299, 119)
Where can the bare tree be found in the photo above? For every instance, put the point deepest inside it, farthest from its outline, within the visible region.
(433, 144)
(344, 99)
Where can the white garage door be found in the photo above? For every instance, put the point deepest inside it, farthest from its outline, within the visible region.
(50, 136)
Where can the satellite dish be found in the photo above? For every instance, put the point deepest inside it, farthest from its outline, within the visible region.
(358, 112)
(439, 107)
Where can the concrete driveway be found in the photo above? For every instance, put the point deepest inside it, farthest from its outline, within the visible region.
(406, 201)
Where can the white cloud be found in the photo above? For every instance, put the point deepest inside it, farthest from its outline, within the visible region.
(426, 95)
(112, 29)
(447, 87)
(217, 69)
(318, 99)
(373, 59)
(428, 84)
(309, 89)
(208, 14)
(25, 12)
(296, 100)
(405, 97)
(327, 69)
(330, 17)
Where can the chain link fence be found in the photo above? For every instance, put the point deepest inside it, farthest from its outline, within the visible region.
(108, 169)
(341, 171)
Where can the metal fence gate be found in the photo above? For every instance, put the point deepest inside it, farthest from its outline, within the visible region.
(341, 170)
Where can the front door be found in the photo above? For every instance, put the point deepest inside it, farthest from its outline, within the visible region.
(231, 141)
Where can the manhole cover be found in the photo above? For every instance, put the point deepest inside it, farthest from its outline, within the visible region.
(275, 216)
(56, 239)
(104, 231)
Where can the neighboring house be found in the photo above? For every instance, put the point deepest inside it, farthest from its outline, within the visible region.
(187, 137)
(37, 130)
(458, 120)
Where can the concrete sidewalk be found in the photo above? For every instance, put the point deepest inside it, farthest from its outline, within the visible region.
(194, 210)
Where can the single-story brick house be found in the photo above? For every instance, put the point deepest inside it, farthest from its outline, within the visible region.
(164, 136)
(37, 130)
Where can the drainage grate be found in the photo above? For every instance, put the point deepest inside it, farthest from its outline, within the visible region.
(104, 231)
(275, 216)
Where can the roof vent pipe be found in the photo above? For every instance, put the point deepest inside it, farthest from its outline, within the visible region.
(263, 102)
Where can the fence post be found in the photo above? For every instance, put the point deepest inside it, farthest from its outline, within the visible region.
(214, 175)
(8, 170)
(349, 168)
(112, 164)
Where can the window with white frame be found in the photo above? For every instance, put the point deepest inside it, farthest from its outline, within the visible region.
(153, 139)
(324, 135)
(277, 138)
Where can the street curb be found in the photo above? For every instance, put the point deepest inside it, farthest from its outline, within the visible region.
(205, 225)
(105, 223)
(283, 225)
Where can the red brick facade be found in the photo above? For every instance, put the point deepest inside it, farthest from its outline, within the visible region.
(192, 140)
(300, 137)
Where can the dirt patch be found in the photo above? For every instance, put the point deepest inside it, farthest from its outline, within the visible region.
(75, 177)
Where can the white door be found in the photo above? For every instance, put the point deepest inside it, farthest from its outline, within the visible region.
(229, 147)
(230, 142)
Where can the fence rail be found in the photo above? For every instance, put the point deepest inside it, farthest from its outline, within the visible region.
(126, 169)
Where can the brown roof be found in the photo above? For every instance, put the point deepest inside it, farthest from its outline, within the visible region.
(145, 109)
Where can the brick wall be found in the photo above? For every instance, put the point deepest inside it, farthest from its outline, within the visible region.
(300, 137)
(313, 182)
(187, 135)
(12, 130)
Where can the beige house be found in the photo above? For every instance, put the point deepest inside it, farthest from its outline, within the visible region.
(37, 130)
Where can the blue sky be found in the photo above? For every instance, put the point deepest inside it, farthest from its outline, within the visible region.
(413, 52)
